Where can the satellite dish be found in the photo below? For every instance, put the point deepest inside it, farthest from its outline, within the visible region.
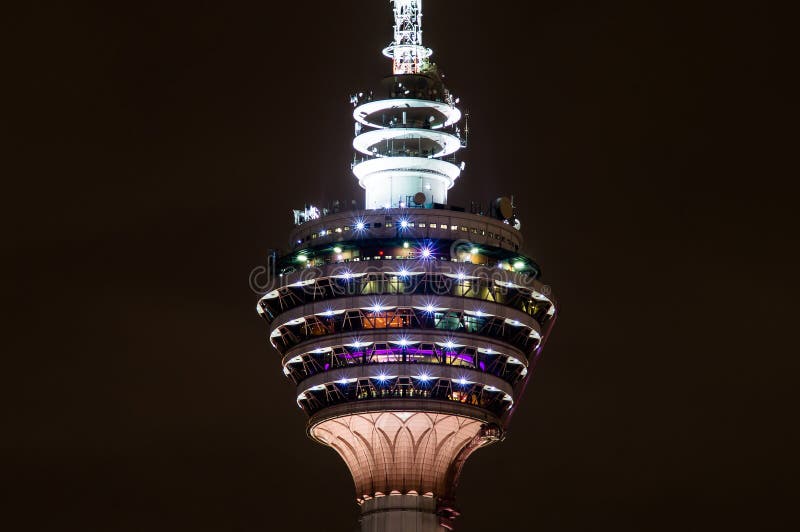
(503, 208)
(419, 198)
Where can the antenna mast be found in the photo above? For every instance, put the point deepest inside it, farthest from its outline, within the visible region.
(406, 52)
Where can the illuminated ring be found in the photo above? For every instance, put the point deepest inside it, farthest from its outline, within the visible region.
(450, 143)
(422, 51)
(452, 114)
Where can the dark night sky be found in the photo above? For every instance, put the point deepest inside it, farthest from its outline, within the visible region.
(158, 146)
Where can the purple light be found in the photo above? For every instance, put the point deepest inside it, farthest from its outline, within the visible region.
(327, 367)
(482, 366)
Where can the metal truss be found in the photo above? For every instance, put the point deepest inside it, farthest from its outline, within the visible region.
(407, 51)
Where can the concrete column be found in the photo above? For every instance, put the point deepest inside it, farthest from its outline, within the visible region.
(400, 513)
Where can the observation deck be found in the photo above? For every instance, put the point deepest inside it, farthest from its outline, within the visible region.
(409, 329)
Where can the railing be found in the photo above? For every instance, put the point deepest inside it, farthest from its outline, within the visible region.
(332, 394)
(403, 319)
(420, 355)
(380, 284)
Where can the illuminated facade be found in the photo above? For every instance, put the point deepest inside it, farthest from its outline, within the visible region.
(410, 327)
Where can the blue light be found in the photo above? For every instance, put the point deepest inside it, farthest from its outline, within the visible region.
(404, 224)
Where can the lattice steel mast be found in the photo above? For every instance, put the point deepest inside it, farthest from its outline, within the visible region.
(406, 51)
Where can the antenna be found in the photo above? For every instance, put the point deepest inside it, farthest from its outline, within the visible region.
(406, 51)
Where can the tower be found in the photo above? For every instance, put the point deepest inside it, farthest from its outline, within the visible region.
(410, 327)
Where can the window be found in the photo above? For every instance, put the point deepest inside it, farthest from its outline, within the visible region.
(464, 229)
(422, 225)
(442, 226)
(490, 235)
(338, 229)
(453, 228)
(314, 235)
(377, 225)
(474, 231)
(411, 224)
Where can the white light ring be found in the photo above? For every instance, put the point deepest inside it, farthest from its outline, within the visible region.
(437, 371)
(360, 113)
(500, 348)
(298, 315)
(422, 51)
(450, 143)
(406, 166)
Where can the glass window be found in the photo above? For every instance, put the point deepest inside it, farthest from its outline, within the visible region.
(454, 228)
(422, 225)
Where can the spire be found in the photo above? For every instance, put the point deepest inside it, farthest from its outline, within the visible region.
(406, 51)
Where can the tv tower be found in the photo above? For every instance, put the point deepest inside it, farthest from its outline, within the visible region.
(409, 327)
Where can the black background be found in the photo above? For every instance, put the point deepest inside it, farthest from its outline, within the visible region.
(159, 146)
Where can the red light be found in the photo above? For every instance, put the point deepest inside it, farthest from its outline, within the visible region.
(380, 253)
